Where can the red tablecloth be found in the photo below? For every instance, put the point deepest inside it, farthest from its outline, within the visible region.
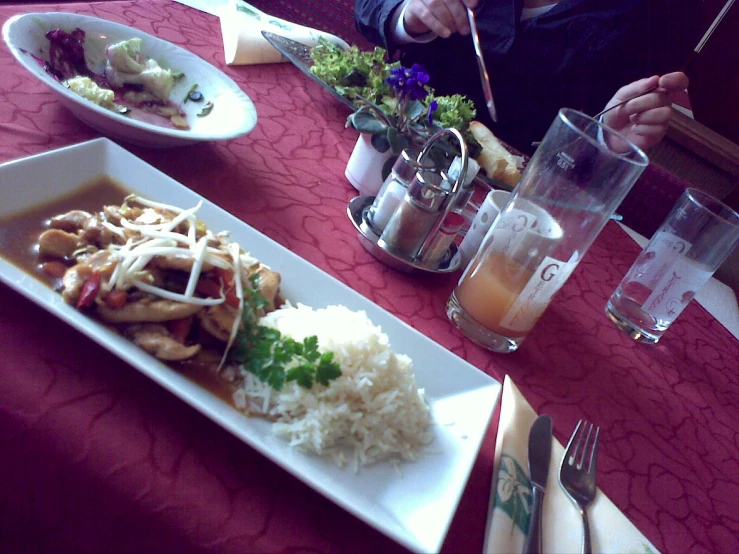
(96, 458)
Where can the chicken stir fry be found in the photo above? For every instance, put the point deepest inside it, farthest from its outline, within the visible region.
(157, 274)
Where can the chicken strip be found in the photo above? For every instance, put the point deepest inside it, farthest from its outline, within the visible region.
(157, 341)
(151, 310)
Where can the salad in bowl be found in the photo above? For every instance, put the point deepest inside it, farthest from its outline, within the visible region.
(128, 84)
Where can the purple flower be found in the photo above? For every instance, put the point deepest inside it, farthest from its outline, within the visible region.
(432, 108)
(409, 83)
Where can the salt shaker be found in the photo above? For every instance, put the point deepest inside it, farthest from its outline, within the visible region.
(417, 214)
(393, 189)
(466, 186)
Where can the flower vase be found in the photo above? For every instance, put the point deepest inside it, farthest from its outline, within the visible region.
(364, 168)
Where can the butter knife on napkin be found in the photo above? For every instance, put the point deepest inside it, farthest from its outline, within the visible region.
(511, 496)
(540, 449)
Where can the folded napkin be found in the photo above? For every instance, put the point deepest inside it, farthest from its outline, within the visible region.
(212, 7)
(242, 25)
(508, 515)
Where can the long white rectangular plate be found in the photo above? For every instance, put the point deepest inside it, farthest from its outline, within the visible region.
(414, 507)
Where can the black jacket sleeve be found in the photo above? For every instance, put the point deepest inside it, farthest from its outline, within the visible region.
(372, 18)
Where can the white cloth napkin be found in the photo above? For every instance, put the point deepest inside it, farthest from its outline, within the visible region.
(242, 25)
(212, 7)
(510, 506)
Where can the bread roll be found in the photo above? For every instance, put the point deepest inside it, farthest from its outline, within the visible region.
(498, 163)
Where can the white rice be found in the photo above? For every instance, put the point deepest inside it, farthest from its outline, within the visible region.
(373, 412)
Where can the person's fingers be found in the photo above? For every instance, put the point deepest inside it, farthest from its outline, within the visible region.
(458, 11)
(471, 3)
(451, 14)
(647, 102)
(442, 17)
(673, 84)
(423, 16)
(417, 20)
(648, 130)
(656, 116)
(676, 81)
(646, 136)
(634, 88)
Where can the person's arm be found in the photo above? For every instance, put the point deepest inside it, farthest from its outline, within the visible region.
(644, 120)
(397, 33)
(372, 18)
(441, 17)
(395, 22)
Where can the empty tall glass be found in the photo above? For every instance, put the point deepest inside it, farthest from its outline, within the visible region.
(576, 179)
(698, 235)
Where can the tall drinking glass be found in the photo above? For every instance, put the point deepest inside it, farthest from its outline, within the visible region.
(696, 238)
(578, 176)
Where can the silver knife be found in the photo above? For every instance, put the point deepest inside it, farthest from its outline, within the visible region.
(484, 79)
(540, 448)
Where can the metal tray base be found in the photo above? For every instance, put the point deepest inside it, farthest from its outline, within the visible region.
(357, 212)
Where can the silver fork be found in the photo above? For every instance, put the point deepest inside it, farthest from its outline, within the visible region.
(577, 473)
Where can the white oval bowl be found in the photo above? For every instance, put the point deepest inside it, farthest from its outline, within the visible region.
(233, 113)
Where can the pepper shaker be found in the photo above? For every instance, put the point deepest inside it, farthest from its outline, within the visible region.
(417, 214)
(394, 188)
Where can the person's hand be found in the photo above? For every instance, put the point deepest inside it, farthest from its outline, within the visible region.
(644, 120)
(442, 17)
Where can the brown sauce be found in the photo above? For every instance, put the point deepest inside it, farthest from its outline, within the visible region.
(19, 245)
(19, 232)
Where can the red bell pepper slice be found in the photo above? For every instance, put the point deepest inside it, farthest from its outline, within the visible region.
(116, 299)
(89, 291)
(212, 289)
(180, 328)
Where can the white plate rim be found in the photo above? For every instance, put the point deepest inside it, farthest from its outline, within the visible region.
(192, 394)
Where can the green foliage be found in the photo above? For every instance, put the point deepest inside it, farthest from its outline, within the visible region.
(394, 124)
(366, 122)
(275, 359)
(353, 73)
(455, 111)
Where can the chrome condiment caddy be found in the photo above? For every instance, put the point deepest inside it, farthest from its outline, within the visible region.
(412, 223)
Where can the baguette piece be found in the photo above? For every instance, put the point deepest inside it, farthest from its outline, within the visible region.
(498, 163)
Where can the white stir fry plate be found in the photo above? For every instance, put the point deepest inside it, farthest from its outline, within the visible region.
(415, 505)
(233, 114)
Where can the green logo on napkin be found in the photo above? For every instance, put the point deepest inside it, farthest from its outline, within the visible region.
(514, 492)
(248, 11)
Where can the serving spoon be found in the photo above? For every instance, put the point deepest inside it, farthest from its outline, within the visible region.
(484, 78)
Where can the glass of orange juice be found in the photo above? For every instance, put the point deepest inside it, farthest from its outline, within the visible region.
(578, 176)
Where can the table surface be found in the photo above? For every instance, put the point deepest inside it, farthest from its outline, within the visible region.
(172, 481)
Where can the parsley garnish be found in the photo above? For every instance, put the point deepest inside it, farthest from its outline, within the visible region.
(275, 359)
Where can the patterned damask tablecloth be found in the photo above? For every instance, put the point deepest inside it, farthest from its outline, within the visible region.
(96, 458)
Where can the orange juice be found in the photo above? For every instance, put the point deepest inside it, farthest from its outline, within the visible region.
(490, 288)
